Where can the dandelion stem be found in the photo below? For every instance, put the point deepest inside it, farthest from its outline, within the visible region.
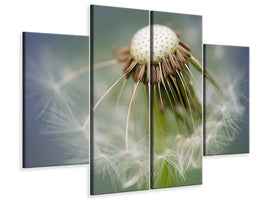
(99, 101)
(128, 116)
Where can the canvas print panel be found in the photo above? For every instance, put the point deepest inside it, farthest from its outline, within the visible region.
(120, 101)
(55, 99)
(226, 99)
(177, 100)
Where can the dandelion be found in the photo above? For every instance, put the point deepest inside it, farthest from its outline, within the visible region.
(167, 79)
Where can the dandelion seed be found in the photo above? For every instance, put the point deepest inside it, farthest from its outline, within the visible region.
(57, 77)
(225, 107)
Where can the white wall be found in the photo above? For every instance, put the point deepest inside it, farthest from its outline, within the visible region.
(225, 22)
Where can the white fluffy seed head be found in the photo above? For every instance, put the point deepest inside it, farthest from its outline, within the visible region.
(140, 46)
(165, 42)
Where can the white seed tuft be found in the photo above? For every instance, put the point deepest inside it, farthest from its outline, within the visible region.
(165, 42)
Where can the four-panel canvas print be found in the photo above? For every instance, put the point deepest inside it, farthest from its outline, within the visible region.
(145, 103)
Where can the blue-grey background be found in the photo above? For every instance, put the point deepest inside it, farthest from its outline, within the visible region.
(218, 57)
(40, 149)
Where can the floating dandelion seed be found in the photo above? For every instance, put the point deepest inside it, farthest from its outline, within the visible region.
(169, 76)
(222, 120)
(225, 108)
(58, 79)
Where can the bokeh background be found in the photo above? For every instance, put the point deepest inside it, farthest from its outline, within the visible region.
(48, 57)
(229, 65)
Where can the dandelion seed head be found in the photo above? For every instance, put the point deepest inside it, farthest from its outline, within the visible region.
(165, 42)
(172, 83)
